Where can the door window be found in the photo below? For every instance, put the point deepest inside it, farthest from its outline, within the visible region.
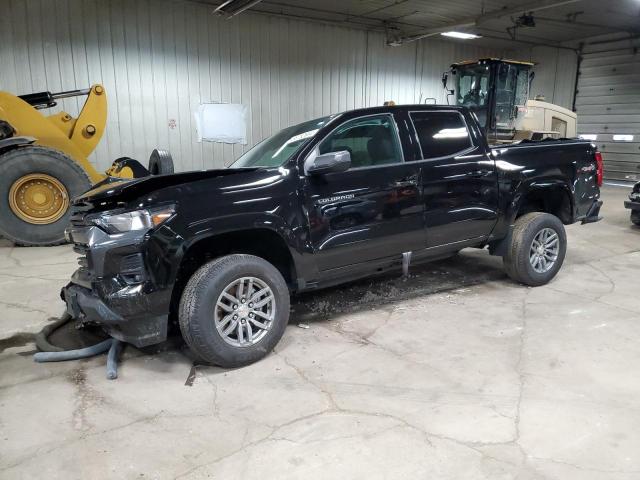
(441, 134)
(371, 141)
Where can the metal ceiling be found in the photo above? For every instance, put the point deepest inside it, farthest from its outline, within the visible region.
(555, 21)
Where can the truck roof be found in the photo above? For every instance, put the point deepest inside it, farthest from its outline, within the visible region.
(408, 106)
(491, 60)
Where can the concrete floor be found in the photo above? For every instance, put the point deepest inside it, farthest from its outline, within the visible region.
(456, 373)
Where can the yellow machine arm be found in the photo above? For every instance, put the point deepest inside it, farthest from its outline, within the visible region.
(76, 137)
(44, 162)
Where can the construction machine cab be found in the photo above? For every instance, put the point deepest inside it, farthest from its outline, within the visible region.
(495, 90)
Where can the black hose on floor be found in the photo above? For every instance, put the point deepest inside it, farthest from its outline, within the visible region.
(112, 359)
(41, 337)
(91, 351)
(52, 353)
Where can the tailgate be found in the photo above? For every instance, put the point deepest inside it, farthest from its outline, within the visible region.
(589, 171)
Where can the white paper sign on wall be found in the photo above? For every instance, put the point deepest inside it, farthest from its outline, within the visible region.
(222, 122)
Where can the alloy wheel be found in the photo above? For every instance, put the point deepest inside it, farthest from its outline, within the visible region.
(245, 311)
(544, 250)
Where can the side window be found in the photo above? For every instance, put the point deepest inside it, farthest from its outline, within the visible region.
(441, 134)
(371, 141)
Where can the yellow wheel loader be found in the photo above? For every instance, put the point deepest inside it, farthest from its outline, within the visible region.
(44, 162)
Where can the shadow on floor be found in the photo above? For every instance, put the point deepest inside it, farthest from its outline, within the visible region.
(461, 271)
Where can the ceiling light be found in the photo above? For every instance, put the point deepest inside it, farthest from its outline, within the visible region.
(462, 35)
(589, 136)
(623, 138)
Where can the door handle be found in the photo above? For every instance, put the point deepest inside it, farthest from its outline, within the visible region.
(480, 173)
(404, 183)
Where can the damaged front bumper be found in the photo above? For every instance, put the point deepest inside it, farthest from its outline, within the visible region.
(632, 205)
(634, 199)
(85, 306)
(112, 287)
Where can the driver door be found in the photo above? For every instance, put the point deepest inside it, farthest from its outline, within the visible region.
(371, 211)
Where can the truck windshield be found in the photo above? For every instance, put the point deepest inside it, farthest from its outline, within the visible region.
(472, 89)
(276, 150)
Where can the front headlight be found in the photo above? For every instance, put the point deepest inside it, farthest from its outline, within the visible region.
(144, 219)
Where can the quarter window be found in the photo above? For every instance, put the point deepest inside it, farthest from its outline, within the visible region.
(441, 134)
(371, 141)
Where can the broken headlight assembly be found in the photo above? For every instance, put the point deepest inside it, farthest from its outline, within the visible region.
(143, 219)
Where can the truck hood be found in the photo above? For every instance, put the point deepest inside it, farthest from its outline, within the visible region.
(120, 189)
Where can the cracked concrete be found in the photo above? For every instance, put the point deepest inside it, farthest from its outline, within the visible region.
(454, 373)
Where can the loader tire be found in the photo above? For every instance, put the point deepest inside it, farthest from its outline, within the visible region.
(160, 162)
(37, 186)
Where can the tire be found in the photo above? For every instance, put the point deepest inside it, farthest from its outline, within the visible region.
(17, 164)
(199, 313)
(160, 162)
(6, 130)
(518, 263)
(635, 217)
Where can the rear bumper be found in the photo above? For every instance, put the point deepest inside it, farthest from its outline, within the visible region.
(593, 214)
(632, 205)
(85, 306)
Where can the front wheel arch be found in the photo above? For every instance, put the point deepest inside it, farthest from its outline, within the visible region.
(261, 242)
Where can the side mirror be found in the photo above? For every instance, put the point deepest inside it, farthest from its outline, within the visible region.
(332, 162)
(445, 80)
(532, 75)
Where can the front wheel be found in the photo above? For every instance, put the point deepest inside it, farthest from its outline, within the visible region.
(537, 249)
(234, 310)
(635, 217)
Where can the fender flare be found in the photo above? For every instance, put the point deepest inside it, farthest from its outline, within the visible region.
(526, 188)
(247, 222)
(499, 247)
(15, 142)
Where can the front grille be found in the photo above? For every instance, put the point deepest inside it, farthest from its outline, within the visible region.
(79, 228)
(80, 248)
(83, 271)
(78, 218)
(132, 268)
(131, 263)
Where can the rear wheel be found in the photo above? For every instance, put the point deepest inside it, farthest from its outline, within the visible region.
(635, 217)
(234, 310)
(537, 249)
(37, 185)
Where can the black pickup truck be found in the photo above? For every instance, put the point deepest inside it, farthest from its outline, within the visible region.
(633, 204)
(318, 204)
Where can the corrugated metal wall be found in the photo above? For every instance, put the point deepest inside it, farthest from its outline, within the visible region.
(555, 73)
(413, 72)
(159, 59)
(608, 105)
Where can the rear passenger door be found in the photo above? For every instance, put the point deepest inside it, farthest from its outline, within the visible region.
(373, 210)
(459, 180)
